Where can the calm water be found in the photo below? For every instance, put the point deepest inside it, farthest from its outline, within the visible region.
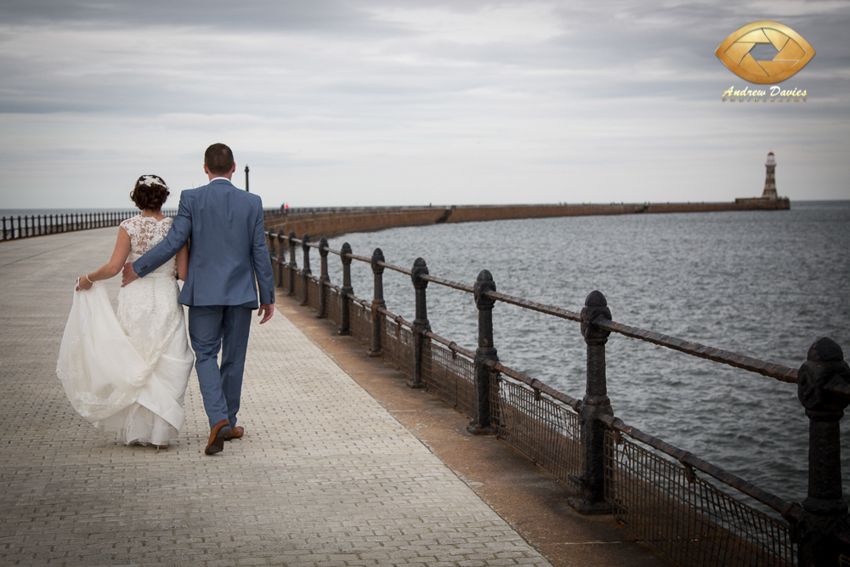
(764, 284)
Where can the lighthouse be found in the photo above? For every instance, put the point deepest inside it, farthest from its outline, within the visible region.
(770, 179)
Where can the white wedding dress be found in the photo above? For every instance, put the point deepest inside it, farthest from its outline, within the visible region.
(127, 373)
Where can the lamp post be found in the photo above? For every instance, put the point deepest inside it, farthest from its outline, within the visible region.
(246, 178)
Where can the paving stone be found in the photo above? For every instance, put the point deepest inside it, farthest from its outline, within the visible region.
(324, 475)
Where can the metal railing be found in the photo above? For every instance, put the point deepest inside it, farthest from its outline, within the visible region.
(691, 511)
(26, 226)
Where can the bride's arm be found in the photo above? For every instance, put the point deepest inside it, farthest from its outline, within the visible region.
(183, 262)
(111, 268)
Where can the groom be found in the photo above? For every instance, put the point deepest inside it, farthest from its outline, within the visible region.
(224, 226)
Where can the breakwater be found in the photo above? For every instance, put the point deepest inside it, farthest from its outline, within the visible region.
(334, 221)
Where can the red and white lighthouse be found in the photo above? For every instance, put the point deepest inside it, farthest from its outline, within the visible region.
(770, 179)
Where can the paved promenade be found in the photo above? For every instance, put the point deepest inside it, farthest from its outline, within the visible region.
(341, 463)
(325, 475)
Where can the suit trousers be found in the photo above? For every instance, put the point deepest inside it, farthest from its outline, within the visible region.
(225, 328)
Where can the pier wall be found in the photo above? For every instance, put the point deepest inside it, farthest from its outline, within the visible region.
(341, 221)
(332, 222)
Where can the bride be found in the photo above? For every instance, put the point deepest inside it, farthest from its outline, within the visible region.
(127, 372)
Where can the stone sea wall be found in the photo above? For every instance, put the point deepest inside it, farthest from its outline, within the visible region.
(332, 222)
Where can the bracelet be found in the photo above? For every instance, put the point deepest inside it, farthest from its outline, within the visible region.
(88, 280)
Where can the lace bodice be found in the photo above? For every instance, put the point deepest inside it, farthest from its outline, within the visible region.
(145, 233)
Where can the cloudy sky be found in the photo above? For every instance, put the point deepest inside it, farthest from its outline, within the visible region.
(378, 102)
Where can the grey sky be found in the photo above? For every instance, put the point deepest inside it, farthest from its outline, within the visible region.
(370, 102)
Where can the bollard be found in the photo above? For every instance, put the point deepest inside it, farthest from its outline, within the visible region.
(823, 534)
(324, 279)
(347, 290)
(420, 323)
(378, 302)
(482, 422)
(594, 405)
(292, 266)
(305, 271)
(281, 256)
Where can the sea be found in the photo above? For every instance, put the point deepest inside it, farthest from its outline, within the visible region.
(765, 284)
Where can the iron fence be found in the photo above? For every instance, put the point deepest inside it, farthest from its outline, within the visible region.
(692, 512)
(27, 226)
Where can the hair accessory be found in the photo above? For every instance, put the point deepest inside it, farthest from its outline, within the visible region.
(150, 180)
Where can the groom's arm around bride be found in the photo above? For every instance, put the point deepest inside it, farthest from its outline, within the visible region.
(228, 254)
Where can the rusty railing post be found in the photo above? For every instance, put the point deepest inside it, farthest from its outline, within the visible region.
(594, 405)
(485, 354)
(305, 270)
(378, 302)
(281, 256)
(292, 266)
(347, 290)
(420, 323)
(824, 532)
(324, 279)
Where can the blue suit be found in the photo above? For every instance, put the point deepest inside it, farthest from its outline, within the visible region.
(227, 255)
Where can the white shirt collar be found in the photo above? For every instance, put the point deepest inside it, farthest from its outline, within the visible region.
(222, 178)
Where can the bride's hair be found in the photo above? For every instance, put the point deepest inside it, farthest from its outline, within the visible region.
(150, 192)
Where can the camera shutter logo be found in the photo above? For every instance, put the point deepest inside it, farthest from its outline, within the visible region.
(793, 52)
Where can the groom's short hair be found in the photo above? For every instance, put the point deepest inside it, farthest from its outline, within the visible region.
(219, 159)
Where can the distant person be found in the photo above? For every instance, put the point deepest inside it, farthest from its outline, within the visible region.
(228, 255)
(127, 372)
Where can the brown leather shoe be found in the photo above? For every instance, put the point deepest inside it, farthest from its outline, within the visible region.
(218, 434)
(236, 433)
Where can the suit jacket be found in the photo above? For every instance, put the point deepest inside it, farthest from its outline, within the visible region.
(228, 247)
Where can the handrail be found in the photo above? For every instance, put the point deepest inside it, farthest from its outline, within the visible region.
(534, 306)
(770, 369)
(393, 268)
(449, 283)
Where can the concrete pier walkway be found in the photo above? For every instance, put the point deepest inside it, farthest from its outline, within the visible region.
(325, 475)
